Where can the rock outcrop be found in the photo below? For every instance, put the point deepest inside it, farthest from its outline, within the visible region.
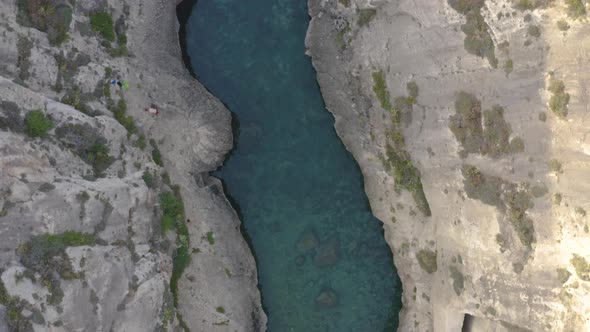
(467, 119)
(109, 219)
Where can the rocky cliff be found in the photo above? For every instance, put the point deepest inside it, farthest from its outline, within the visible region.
(468, 119)
(109, 220)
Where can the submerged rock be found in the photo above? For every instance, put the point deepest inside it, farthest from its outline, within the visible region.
(327, 298)
(327, 254)
(307, 241)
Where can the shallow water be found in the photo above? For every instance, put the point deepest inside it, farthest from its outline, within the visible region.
(290, 173)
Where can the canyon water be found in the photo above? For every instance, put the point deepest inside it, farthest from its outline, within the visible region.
(322, 260)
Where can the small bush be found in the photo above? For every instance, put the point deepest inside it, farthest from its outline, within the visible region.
(345, 3)
(13, 311)
(534, 31)
(555, 166)
(366, 15)
(98, 156)
(46, 16)
(149, 179)
(458, 280)
(24, 46)
(557, 198)
(413, 90)
(37, 124)
(102, 23)
(220, 310)
(141, 143)
(210, 238)
(508, 66)
(560, 99)
(427, 260)
(156, 155)
(563, 25)
(125, 120)
(380, 89)
(172, 210)
(582, 267)
(580, 211)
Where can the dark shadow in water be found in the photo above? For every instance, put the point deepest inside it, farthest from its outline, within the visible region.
(183, 12)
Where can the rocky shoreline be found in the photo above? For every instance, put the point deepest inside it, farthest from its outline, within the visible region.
(496, 249)
(217, 291)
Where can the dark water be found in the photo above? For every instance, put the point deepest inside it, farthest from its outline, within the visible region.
(289, 171)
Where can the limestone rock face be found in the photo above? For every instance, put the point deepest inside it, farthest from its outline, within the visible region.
(86, 240)
(468, 123)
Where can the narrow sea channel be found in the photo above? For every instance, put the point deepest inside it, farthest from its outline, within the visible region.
(323, 262)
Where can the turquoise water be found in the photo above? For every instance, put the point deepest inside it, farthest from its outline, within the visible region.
(290, 174)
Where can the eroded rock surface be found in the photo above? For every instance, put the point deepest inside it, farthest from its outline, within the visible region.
(468, 121)
(93, 207)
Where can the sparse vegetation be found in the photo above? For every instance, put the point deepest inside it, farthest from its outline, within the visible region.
(210, 238)
(37, 124)
(125, 120)
(345, 3)
(149, 179)
(102, 23)
(563, 275)
(506, 196)
(559, 99)
(396, 159)
(576, 8)
(427, 260)
(580, 211)
(220, 310)
(381, 91)
(341, 40)
(458, 280)
(46, 16)
(557, 199)
(85, 141)
(534, 31)
(581, 266)
(563, 25)
(13, 311)
(530, 4)
(45, 254)
(365, 16)
(555, 166)
(24, 46)
(478, 40)
(508, 66)
(490, 138)
(156, 155)
(172, 210)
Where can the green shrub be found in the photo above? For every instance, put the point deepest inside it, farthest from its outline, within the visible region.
(555, 166)
(220, 310)
(427, 260)
(156, 155)
(172, 210)
(141, 143)
(149, 179)
(582, 267)
(576, 8)
(380, 89)
(465, 124)
(59, 24)
(98, 156)
(580, 211)
(558, 103)
(508, 66)
(102, 23)
(557, 198)
(126, 121)
(478, 40)
(210, 238)
(366, 15)
(345, 3)
(37, 124)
